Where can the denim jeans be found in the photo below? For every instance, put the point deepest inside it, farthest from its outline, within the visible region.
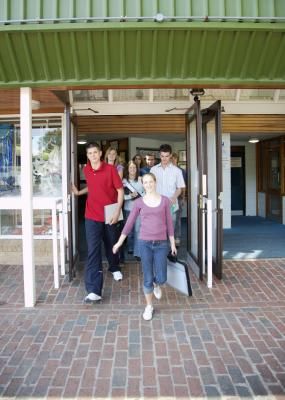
(133, 244)
(154, 263)
(95, 233)
(177, 226)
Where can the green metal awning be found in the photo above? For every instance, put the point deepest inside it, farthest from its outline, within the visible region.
(185, 49)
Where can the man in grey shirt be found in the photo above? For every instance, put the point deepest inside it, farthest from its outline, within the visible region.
(169, 179)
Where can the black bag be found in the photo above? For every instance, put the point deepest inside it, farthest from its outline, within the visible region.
(127, 192)
(178, 275)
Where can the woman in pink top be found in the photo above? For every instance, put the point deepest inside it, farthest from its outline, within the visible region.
(156, 228)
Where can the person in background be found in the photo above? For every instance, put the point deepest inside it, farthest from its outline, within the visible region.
(133, 189)
(169, 179)
(104, 187)
(156, 228)
(181, 202)
(138, 160)
(149, 161)
(111, 157)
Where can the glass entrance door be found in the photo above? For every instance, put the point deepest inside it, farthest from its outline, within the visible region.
(274, 211)
(204, 160)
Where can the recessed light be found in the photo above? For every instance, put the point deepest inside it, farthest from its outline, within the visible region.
(82, 142)
(253, 140)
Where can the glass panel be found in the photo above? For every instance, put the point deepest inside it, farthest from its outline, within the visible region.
(47, 162)
(90, 95)
(9, 160)
(170, 94)
(131, 95)
(274, 207)
(274, 170)
(11, 222)
(282, 95)
(257, 94)
(194, 176)
(218, 94)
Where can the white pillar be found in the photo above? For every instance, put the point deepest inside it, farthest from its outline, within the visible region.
(27, 196)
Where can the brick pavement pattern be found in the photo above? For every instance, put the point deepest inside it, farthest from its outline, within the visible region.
(228, 341)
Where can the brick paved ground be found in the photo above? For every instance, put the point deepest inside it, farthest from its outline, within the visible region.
(225, 342)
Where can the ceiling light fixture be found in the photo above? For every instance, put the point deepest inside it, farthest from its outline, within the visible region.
(81, 141)
(197, 92)
(253, 140)
(36, 105)
(159, 17)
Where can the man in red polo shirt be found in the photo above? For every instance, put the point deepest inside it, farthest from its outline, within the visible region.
(104, 186)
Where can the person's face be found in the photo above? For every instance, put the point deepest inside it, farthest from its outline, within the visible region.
(149, 161)
(138, 159)
(174, 160)
(132, 169)
(94, 154)
(112, 156)
(165, 158)
(149, 183)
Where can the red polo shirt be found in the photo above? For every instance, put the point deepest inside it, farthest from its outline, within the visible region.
(102, 186)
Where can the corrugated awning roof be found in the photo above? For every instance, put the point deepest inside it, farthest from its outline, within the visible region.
(183, 50)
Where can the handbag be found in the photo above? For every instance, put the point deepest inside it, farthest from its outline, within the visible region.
(178, 276)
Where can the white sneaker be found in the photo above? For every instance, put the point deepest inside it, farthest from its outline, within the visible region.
(148, 311)
(91, 297)
(118, 276)
(157, 292)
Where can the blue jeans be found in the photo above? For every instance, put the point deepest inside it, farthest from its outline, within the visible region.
(133, 244)
(95, 233)
(154, 263)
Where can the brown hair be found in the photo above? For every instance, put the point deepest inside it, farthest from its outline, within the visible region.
(126, 170)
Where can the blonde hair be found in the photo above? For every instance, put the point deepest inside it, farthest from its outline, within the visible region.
(149, 174)
(108, 151)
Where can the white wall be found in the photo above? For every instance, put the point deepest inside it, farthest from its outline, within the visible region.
(147, 142)
(226, 160)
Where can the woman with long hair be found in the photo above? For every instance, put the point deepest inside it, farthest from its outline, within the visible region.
(156, 229)
(111, 157)
(133, 189)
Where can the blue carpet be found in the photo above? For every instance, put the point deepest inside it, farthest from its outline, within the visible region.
(254, 237)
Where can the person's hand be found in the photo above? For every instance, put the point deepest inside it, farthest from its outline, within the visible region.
(74, 189)
(134, 194)
(116, 248)
(172, 200)
(173, 250)
(114, 219)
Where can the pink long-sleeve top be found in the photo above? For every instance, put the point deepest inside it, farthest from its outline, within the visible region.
(156, 222)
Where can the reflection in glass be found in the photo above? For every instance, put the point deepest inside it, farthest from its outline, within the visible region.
(11, 222)
(257, 94)
(130, 95)
(90, 95)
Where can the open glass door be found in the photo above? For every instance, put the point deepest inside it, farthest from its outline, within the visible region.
(212, 170)
(195, 232)
(204, 160)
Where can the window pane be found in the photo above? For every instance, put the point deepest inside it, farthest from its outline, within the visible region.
(11, 222)
(170, 94)
(90, 95)
(256, 94)
(130, 95)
